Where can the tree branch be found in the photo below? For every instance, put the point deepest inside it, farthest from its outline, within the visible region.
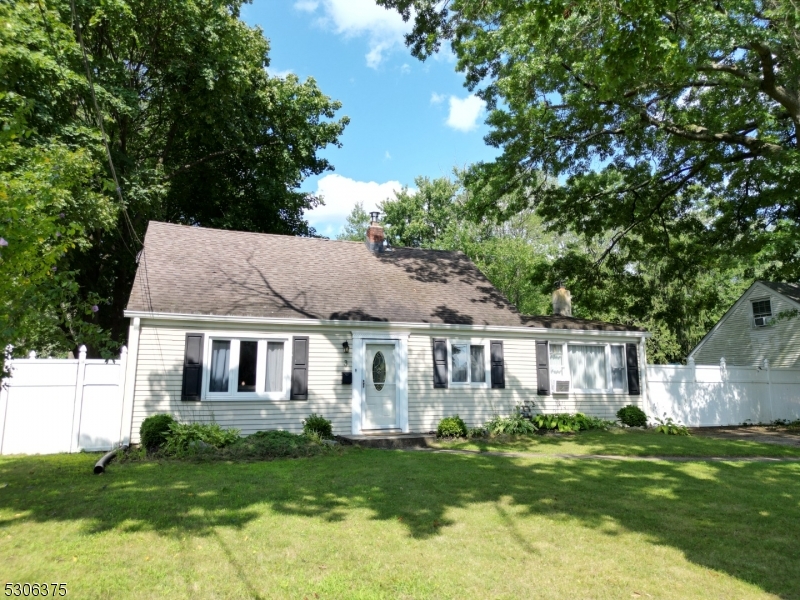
(191, 165)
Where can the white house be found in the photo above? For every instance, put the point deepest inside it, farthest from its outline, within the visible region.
(762, 325)
(257, 331)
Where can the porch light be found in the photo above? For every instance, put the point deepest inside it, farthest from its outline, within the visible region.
(346, 346)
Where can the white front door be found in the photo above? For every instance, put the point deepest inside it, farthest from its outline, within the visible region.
(380, 387)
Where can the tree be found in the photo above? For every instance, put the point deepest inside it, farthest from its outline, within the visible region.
(357, 222)
(197, 130)
(671, 125)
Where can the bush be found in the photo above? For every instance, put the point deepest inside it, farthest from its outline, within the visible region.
(632, 416)
(319, 425)
(670, 427)
(515, 424)
(566, 423)
(273, 444)
(451, 427)
(198, 436)
(154, 431)
(477, 432)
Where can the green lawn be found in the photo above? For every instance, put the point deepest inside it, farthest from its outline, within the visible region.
(391, 524)
(625, 442)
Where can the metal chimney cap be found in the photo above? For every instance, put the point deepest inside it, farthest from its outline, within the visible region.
(374, 216)
(558, 285)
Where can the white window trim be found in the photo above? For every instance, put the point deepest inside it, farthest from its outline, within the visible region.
(233, 368)
(565, 358)
(487, 367)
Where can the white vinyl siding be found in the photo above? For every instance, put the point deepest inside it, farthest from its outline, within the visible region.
(159, 375)
(742, 344)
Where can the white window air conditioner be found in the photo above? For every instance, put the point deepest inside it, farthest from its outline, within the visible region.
(761, 321)
(562, 386)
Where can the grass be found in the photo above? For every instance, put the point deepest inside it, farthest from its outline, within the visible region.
(625, 442)
(390, 524)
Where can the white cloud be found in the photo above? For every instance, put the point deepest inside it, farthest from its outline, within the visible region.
(306, 5)
(387, 156)
(437, 98)
(383, 28)
(405, 69)
(464, 113)
(341, 194)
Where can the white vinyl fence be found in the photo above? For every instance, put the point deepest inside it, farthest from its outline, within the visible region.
(53, 405)
(709, 396)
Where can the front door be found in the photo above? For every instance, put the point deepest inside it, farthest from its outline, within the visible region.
(380, 388)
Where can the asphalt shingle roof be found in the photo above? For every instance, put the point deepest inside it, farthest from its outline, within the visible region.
(790, 290)
(195, 270)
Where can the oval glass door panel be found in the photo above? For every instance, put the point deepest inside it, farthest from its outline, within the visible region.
(379, 371)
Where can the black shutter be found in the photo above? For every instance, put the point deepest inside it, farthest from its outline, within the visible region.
(300, 368)
(542, 369)
(498, 365)
(632, 359)
(439, 363)
(192, 367)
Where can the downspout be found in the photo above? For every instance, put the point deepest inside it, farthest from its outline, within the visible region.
(126, 425)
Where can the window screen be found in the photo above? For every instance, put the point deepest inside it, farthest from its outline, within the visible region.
(618, 371)
(762, 308)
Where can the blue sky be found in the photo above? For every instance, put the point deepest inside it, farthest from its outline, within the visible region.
(407, 118)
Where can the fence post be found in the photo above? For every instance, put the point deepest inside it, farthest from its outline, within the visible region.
(4, 393)
(78, 406)
(123, 366)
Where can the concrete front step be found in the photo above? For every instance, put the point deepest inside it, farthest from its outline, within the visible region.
(389, 440)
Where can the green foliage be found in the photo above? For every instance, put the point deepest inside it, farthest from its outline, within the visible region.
(199, 133)
(451, 427)
(632, 416)
(186, 437)
(155, 430)
(567, 423)
(670, 427)
(672, 127)
(319, 425)
(355, 230)
(477, 432)
(514, 424)
(272, 444)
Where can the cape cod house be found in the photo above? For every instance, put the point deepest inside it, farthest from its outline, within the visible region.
(763, 324)
(257, 331)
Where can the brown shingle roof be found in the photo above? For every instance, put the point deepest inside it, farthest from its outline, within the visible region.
(194, 270)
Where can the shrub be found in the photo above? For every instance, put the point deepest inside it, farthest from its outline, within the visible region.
(273, 444)
(632, 416)
(670, 427)
(477, 432)
(566, 423)
(515, 424)
(319, 425)
(154, 431)
(451, 427)
(185, 436)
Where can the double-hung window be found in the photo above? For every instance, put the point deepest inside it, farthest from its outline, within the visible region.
(469, 363)
(762, 312)
(589, 367)
(247, 369)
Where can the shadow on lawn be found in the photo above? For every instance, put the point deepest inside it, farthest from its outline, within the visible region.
(738, 518)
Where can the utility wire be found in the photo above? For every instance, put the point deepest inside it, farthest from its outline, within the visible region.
(99, 116)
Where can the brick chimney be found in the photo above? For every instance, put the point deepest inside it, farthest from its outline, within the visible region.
(375, 235)
(562, 300)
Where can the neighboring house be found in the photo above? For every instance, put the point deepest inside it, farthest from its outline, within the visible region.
(258, 331)
(749, 332)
